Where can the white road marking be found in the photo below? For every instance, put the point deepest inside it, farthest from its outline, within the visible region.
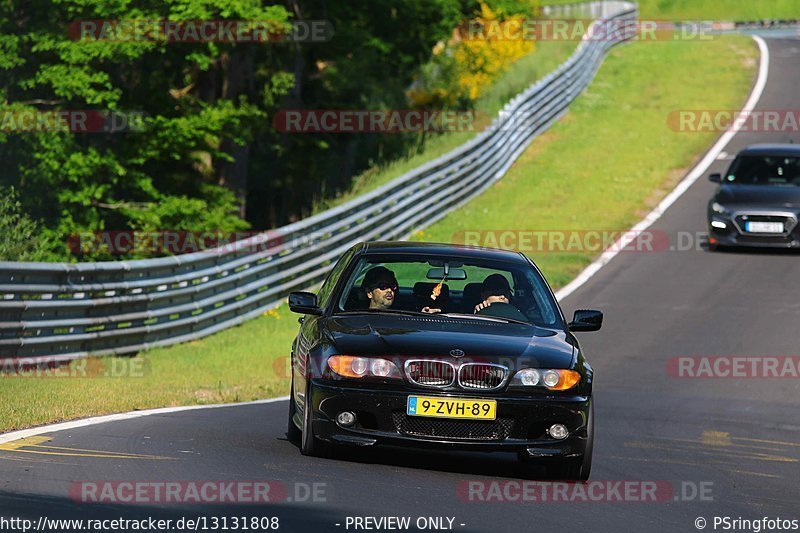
(25, 433)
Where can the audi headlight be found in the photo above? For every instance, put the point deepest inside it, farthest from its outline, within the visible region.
(719, 208)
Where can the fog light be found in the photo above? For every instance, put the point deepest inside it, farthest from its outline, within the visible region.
(346, 418)
(557, 431)
(718, 224)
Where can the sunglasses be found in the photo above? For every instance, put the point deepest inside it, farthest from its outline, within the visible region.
(385, 286)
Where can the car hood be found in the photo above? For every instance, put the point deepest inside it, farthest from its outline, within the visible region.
(401, 336)
(758, 196)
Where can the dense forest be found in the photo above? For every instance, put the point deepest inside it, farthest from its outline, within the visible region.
(181, 133)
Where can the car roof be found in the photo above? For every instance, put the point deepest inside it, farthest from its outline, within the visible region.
(443, 249)
(774, 149)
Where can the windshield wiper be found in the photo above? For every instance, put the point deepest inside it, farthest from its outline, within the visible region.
(486, 318)
(490, 318)
(388, 311)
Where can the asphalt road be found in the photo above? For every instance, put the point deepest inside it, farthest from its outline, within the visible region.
(722, 447)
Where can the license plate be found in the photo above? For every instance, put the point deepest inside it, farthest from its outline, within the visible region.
(763, 227)
(451, 408)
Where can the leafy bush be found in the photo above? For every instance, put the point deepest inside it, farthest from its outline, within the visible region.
(20, 238)
(464, 67)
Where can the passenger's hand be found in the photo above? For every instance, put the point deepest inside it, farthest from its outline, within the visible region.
(427, 309)
(489, 301)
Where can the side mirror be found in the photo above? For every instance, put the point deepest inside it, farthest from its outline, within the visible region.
(715, 177)
(304, 303)
(586, 320)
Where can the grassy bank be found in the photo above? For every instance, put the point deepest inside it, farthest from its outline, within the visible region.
(712, 9)
(602, 166)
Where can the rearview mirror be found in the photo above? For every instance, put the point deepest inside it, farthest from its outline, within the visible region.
(304, 303)
(453, 274)
(715, 177)
(586, 320)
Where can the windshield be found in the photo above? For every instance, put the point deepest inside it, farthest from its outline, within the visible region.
(782, 171)
(449, 286)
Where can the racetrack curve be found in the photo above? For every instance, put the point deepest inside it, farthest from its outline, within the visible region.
(741, 438)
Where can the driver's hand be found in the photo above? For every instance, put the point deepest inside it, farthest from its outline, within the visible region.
(427, 309)
(489, 301)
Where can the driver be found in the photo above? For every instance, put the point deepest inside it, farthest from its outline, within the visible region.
(380, 286)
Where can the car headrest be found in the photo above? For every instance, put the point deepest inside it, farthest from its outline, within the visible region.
(472, 292)
(423, 290)
(356, 300)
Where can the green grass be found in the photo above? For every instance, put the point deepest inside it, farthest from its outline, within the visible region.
(609, 160)
(238, 364)
(713, 9)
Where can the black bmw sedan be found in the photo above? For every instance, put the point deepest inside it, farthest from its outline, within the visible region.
(758, 200)
(434, 345)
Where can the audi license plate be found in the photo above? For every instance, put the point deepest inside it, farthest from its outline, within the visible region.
(763, 227)
(451, 408)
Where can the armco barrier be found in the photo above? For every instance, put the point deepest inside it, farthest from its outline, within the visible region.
(61, 311)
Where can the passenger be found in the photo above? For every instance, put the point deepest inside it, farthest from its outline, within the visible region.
(496, 295)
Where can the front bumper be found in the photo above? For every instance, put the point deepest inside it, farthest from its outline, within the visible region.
(521, 424)
(733, 234)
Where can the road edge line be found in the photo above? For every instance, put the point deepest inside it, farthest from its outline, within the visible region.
(84, 422)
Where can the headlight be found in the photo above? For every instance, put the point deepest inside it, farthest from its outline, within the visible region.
(350, 366)
(550, 378)
(381, 367)
(528, 377)
(359, 365)
(556, 379)
(718, 208)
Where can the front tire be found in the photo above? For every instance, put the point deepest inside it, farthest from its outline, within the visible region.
(309, 444)
(293, 433)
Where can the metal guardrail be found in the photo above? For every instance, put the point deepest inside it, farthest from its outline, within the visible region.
(63, 311)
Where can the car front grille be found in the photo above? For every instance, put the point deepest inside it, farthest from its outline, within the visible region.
(482, 376)
(498, 429)
(430, 373)
(788, 221)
